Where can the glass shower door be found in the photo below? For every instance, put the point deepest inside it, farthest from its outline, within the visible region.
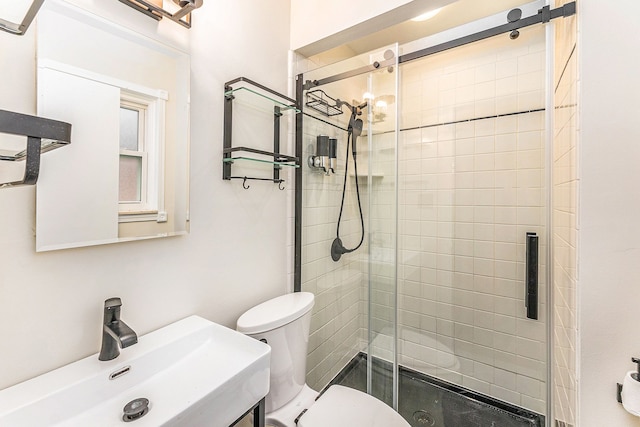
(351, 105)
(471, 189)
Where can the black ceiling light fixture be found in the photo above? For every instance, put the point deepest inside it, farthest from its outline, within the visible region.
(155, 10)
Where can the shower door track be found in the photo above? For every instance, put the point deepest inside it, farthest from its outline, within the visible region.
(544, 15)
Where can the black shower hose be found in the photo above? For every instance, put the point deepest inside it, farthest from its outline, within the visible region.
(344, 187)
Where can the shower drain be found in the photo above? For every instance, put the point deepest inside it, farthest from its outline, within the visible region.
(424, 418)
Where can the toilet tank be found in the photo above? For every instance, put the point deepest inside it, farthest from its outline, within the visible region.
(284, 323)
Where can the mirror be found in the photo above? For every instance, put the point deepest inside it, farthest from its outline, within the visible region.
(125, 176)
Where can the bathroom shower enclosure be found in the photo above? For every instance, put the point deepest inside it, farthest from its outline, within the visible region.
(442, 311)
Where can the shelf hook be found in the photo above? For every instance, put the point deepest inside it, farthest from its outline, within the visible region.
(280, 187)
(244, 184)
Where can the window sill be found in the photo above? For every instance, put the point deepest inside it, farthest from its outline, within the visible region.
(146, 216)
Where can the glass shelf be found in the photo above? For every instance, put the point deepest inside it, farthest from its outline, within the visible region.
(289, 163)
(241, 90)
(365, 176)
(46, 145)
(262, 107)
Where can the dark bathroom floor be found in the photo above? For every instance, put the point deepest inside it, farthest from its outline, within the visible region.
(426, 401)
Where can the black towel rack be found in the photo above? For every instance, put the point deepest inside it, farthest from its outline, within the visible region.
(42, 134)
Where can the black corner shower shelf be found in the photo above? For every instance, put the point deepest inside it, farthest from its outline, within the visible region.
(277, 104)
(323, 103)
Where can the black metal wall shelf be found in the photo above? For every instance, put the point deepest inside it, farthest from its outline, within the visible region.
(42, 134)
(277, 104)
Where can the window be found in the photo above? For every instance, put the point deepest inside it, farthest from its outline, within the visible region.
(141, 146)
(133, 158)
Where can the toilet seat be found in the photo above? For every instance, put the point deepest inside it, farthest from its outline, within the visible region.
(345, 407)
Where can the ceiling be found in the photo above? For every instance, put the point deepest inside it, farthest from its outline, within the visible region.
(452, 15)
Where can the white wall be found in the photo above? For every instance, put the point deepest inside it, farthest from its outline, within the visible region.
(318, 25)
(609, 240)
(564, 227)
(235, 257)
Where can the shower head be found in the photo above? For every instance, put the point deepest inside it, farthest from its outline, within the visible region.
(357, 109)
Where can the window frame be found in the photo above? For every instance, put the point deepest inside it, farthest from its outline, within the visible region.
(151, 146)
(141, 153)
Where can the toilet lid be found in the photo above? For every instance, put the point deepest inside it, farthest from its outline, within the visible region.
(345, 407)
(275, 313)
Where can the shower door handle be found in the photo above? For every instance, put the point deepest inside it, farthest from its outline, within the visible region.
(531, 279)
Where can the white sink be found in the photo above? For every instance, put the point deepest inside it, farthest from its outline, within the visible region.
(194, 373)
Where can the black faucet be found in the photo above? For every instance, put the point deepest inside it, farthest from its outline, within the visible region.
(115, 333)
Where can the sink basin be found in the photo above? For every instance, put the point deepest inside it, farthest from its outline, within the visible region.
(193, 372)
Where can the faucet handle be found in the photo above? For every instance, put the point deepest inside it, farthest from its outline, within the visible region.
(112, 310)
(112, 302)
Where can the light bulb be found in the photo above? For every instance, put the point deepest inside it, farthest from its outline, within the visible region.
(427, 15)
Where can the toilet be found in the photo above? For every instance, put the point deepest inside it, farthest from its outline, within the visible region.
(283, 323)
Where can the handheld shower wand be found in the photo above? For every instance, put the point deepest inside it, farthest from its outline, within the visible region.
(355, 127)
(354, 130)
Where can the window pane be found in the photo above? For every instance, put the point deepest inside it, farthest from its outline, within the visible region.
(129, 120)
(130, 178)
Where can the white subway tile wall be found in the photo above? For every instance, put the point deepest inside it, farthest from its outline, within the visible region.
(337, 333)
(339, 323)
(565, 228)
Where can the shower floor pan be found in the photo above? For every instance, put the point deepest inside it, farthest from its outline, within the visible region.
(427, 401)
